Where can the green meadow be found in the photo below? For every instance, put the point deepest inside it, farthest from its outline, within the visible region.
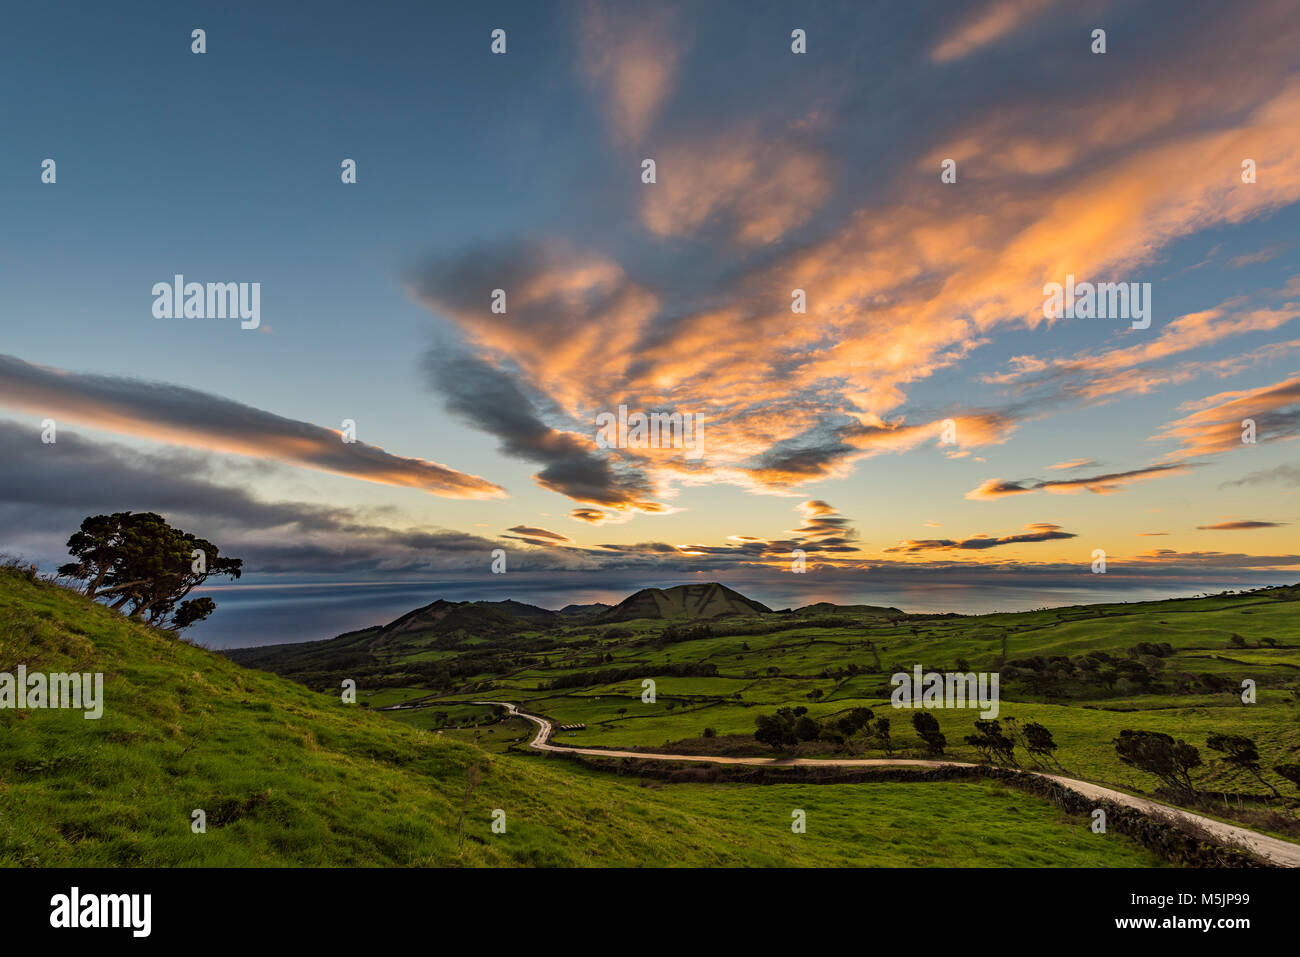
(1086, 673)
(288, 776)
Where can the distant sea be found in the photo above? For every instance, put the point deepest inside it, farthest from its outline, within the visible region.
(262, 614)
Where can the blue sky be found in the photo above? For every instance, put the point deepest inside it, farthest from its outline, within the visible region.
(775, 170)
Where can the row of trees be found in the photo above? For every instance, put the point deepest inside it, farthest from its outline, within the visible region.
(996, 741)
(1173, 761)
(1142, 670)
(138, 563)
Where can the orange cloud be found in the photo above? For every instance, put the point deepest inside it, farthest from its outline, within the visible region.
(1220, 426)
(1109, 373)
(911, 282)
(989, 23)
(754, 189)
(629, 57)
(1097, 484)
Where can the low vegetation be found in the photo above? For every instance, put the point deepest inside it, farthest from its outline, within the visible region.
(290, 776)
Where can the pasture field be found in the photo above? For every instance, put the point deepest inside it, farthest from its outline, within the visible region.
(287, 776)
(1191, 658)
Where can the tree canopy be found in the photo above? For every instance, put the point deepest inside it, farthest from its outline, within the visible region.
(137, 562)
(1159, 754)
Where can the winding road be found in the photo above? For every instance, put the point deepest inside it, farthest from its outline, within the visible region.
(1272, 849)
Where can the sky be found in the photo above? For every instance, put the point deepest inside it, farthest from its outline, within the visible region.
(923, 433)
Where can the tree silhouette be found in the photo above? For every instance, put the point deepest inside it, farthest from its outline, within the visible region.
(927, 726)
(136, 561)
(1159, 754)
(1240, 752)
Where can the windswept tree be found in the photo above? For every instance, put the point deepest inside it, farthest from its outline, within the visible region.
(1039, 742)
(1240, 752)
(188, 612)
(991, 742)
(1289, 771)
(927, 726)
(137, 562)
(1159, 754)
(880, 733)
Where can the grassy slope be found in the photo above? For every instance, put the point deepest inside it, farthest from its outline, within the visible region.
(289, 776)
(1199, 630)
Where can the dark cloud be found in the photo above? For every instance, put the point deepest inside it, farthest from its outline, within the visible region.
(1040, 532)
(178, 415)
(46, 490)
(1239, 526)
(491, 400)
(538, 536)
(1285, 474)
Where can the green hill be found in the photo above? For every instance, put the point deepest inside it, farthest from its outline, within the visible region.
(825, 609)
(288, 776)
(684, 601)
(1085, 673)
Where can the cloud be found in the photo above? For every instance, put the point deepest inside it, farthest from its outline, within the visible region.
(1219, 426)
(1097, 484)
(1109, 373)
(1035, 532)
(1259, 256)
(629, 57)
(997, 488)
(161, 412)
(1286, 474)
(989, 22)
(1190, 563)
(754, 189)
(1239, 526)
(44, 495)
(823, 528)
(1098, 180)
(1075, 464)
(487, 398)
(538, 536)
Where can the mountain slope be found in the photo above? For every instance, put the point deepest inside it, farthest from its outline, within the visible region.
(410, 633)
(446, 616)
(684, 601)
(443, 625)
(826, 608)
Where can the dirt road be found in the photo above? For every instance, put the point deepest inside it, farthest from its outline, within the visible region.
(1282, 853)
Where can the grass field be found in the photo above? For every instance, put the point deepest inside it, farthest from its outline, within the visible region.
(290, 776)
(1175, 666)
